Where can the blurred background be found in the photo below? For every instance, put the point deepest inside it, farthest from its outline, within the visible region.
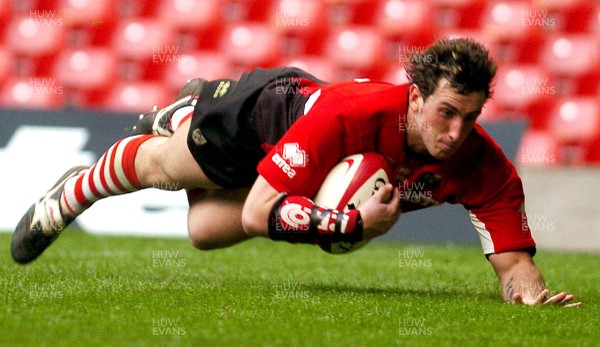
(129, 55)
(64, 60)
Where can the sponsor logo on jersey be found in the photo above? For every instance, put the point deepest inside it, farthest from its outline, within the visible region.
(291, 156)
(294, 155)
(283, 165)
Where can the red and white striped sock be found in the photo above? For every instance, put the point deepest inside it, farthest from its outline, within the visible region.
(113, 174)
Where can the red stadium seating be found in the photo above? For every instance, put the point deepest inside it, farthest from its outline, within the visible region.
(250, 44)
(190, 14)
(570, 15)
(591, 154)
(506, 24)
(86, 12)
(206, 64)
(351, 12)
(593, 23)
(518, 86)
(143, 39)
(35, 35)
(6, 63)
(503, 20)
(356, 48)
(89, 22)
(570, 55)
(4, 12)
(302, 25)
(246, 10)
(32, 92)
(408, 21)
(86, 68)
(458, 14)
(136, 97)
(575, 120)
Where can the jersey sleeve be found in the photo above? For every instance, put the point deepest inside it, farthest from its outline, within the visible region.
(302, 158)
(496, 206)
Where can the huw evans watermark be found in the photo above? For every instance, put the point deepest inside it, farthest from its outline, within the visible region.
(167, 258)
(413, 258)
(167, 327)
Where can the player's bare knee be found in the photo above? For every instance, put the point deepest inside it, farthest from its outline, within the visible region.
(201, 242)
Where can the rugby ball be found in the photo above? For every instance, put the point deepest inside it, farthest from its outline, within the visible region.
(350, 183)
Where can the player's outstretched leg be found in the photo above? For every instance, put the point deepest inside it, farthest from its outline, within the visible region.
(72, 194)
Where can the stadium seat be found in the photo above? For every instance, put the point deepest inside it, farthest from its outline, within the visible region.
(250, 44)
(6, 63)
(575, 120)
(358, 48)
(32, 92)
(539, 148)
(5, 13)
(502, 22)
(593, 24)
(144, 39)
(302, 25)
(86, 12)
(136, 97)
(458, 14)
(246, 10)
(571, 16)
(88, 68)
(209, 65)
(39, 35)
(591, 153)
(518, 86)
(351, 12)
(298, 16)
(408, 20)
(190, 14)
(88, 22)
(571, 55)
(319, 67)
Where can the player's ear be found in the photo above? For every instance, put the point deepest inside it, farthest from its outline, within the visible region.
(415, 98)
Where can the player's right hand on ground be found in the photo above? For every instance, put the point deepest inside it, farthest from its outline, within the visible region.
(380, 212)
(561, 299)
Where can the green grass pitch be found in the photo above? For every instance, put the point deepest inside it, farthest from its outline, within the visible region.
(100, 290)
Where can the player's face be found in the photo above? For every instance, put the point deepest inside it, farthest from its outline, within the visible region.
(440, 124)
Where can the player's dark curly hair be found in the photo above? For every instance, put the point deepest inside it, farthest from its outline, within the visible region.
(465, 63)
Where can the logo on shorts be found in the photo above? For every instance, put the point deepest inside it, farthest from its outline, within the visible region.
(198, 138)
(221, 89)
(292, 156)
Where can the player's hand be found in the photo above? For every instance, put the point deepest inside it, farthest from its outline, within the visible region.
(380, 212)
(561, 299)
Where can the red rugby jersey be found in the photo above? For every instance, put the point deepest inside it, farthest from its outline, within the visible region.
(350, 117)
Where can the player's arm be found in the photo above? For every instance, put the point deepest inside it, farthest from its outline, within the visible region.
(377, 215)
(523, 283)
